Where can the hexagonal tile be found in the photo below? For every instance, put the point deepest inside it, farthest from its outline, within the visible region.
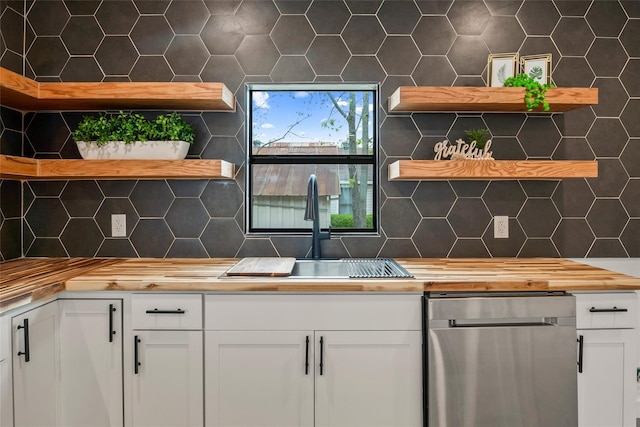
(81, 237)
(399, 248)
(573, 149)
(606, 18)
(573, 71)
(363, 69)
(81, 198)
(328, 55)
(47, 56)
(86, 7)
(187, 248)
(10, 233)
(575, 122)
(151, 35)
(292, 69)
(48, 18)
(630, 36)
(630, 197)
(539, 136)
(631, 158)
(607, 218)
(46, 217)
(187, 55)
(222, 198)
(151, 69)
(399, 136)
(46, 247)
(434, 198)
(504, 198)
(434, 7)
(187, 217)
(630, 116)
(257, 55)
(152, 238)
(437, 124)
(398, 55)
(573, 238)
(538, 17)
(503, 34)
(257, 16)
(504, 124)
(611, 97)
(469, 17)
(118, 205)
(572, 36)
(469, 188)
(434, 35)
(607, 137)
(117, 18)
(82, 35)
(536, 44)
(398, 17)
(225, 69)
(607, 57)
(507, 148)
(44, 188)
(116, 248)
(607, 248)
(394, 188)
(611, 179)
(224, 123)
(505, 247)
(630, 239)
(12, 24)
(468, 55)
(292, 7)
(11, 198)
(221, 147)
(151, 198)
(469, 248)
(434, 238)
(292, 35)
(357, 246)
(81, 69)
(434, 71)
(222, 238)
(222, 7)
(469, 217)
(363, 34)
(631, 7)
(328, 17)
(463, 123)
(222, 34)
(573, 8)
(399, 217)
(116, 55)
(631, 77)
(539, 217)
(47, 132)
(573, 198)
(187, 16)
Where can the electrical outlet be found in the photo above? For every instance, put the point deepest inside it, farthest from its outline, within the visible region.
(118, 225)
(500, 227)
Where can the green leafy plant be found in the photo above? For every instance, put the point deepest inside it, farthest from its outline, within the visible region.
(534, 91)
(346, 221)
(133, 127)
(480, 136)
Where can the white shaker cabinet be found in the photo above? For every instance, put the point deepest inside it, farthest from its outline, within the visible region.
(6, 383)
(167, 384)
(36, 367)
(91, 362)
(607, 346)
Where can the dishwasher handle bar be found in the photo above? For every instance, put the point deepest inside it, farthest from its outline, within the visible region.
(502, 322)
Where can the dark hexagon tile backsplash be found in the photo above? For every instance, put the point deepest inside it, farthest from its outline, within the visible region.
(407, 42)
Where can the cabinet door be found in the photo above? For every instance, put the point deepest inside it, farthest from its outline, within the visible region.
(91, 363)
(35, 381)
(6, 385)
(368, 378)
(606, 386)
(259, 378)
(167, 388)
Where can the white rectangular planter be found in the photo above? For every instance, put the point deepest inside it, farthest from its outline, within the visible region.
(148, 150)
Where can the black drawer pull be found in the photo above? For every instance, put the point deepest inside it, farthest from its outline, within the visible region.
(112, 310)
(580, 353)
(26, 353)
(321, 356)
(156, 311)
(608, 310)
(306, 357)
(136, 355)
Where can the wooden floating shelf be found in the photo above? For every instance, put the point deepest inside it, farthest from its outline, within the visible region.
(13, 167)
(433, 170)
(24, 94)
(485, 99)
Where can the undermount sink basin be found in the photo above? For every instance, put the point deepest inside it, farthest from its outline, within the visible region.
(319, 268)
(348, 268)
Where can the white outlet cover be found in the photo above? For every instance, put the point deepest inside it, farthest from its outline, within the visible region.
(118, 225)
(500, 227)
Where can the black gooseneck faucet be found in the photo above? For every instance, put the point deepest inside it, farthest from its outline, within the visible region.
(312, 213)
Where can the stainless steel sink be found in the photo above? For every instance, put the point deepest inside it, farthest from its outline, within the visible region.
(348, 268)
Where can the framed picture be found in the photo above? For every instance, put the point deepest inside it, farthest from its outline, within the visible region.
(501, 67)
(537, 67)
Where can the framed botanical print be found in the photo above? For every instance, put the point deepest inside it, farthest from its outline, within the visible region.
(501, 66)
(537, 67)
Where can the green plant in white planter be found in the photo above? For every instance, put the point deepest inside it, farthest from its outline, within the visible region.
(131, 136)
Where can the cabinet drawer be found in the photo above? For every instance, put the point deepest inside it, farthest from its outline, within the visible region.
(335, 312)
(606, 310)
(166, 311)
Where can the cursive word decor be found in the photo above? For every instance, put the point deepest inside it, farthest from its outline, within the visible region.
(462, 150)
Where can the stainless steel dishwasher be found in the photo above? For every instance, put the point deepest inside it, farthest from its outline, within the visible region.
(501, 360)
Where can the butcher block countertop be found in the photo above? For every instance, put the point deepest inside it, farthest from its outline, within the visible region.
(29, 279)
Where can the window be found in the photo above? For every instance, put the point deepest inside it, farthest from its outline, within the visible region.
(294, 131)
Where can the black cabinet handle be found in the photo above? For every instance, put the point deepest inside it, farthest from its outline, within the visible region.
(112, 310)
(607, 310)
(580, 352)
(306, 357)
(136, 361)
(321, 351)
(156, 311)
(26, 353)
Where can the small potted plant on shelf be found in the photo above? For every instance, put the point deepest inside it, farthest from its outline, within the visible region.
(132, 136)
(534, 90)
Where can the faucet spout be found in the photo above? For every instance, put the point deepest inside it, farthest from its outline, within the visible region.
(312, 213)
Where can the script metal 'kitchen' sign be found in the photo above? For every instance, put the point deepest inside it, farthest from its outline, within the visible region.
(462, 150)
